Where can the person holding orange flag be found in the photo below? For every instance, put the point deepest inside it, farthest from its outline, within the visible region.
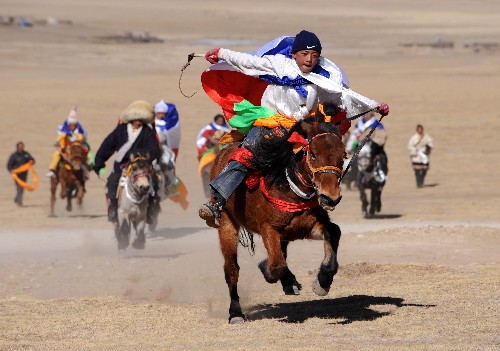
(18, 165)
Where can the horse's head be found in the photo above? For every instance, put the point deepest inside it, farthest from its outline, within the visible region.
(139, 172)
(322, 159)
(77, 154)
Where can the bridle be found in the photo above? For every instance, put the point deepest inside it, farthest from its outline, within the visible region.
(323, 169)
(146, 173)
(313, 170)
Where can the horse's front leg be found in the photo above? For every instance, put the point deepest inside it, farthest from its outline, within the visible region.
(290, 284)
(329, 266)
(376, 202)
(53, 190)
(140, 239)
(79, 193)
(69, 190)
(228, 239)
(274, 267)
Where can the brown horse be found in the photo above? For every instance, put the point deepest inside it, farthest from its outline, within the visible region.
(296, 190)
(70, 173)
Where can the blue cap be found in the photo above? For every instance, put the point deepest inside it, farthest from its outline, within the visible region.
(306, 41)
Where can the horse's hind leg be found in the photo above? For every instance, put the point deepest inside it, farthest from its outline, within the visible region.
(228, 238)
(329, 265)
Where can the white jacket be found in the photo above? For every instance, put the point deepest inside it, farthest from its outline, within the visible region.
(285, 99)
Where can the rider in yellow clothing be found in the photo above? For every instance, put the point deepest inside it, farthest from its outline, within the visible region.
(65, 138)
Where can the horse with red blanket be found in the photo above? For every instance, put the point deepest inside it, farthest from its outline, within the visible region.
(287, 199)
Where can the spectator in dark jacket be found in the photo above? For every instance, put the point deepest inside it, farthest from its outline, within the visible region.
(17, 159)
(134, 134)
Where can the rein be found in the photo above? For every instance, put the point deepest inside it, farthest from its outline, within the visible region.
(360, 146)
(354, 117)
(313, 202)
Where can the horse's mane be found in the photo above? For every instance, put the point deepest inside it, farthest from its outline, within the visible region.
(276, 154)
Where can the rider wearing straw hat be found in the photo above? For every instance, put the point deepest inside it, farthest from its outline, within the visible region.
(133, 134)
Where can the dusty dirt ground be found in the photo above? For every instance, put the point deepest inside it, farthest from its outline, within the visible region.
(423, 275)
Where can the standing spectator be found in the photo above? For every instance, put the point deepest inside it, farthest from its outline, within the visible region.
(420, 146)
(17, 159)
(167, 121)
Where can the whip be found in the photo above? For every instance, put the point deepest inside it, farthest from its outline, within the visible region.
(190, 58)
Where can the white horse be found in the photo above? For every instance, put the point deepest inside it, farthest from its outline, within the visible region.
(133, 194)
(372, 174)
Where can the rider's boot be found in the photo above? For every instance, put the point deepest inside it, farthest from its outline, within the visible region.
(113, 210)
(210, 212)
(222, 187)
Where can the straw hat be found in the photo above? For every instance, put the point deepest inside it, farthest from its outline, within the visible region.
(138, 109)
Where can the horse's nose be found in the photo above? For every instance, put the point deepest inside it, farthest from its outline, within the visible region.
(329, 203)
(143, 188)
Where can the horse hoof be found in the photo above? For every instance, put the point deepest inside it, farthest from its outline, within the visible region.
(236, 320)
(318, 290)
(291, 290)
(138, 245)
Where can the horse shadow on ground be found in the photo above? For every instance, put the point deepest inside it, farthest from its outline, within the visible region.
(430, 185)
(384, 216)
(346, 309)
(90, 216)
(133, 255)
(175, 233)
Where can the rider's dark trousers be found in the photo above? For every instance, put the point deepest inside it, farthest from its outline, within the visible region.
(233, 174)
(112, 186)
(19, 189)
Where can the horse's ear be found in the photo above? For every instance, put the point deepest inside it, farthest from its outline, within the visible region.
(147, 155)
(132, 157)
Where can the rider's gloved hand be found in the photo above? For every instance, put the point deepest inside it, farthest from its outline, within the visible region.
(212, 56)
(97, 169)
(383, 109)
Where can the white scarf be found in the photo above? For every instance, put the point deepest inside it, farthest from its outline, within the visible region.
(132, 136)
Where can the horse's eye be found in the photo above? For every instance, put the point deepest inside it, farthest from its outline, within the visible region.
(134, 168)
(313, 156)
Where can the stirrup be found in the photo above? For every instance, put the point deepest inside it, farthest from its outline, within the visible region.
(211, 214)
